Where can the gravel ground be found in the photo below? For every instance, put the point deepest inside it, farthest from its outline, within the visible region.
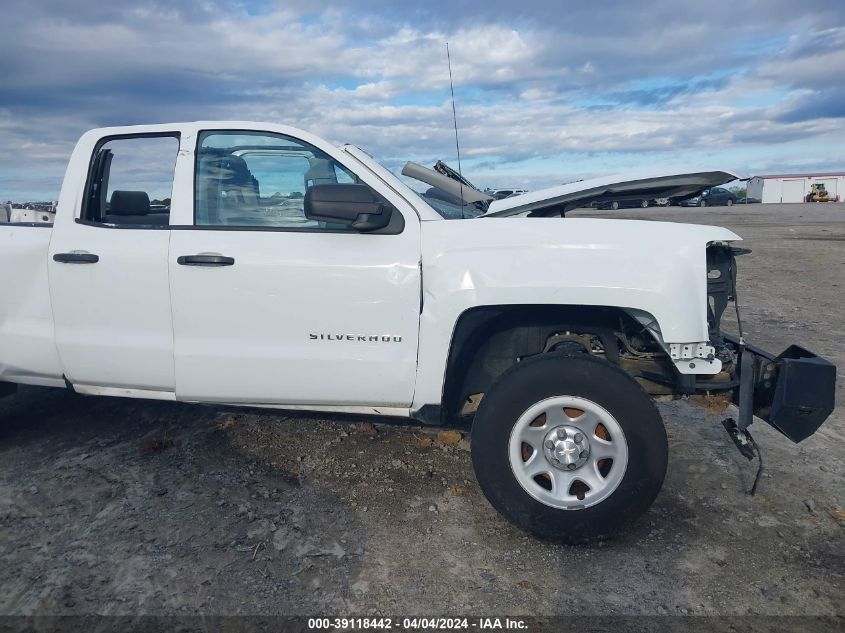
(118, 506)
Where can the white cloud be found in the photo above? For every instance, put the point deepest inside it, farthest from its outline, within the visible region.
(534, 83)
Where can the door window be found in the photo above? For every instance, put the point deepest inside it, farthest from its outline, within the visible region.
(258, 179)
(130, 182)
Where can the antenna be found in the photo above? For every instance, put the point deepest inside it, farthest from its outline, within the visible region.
(455, 121)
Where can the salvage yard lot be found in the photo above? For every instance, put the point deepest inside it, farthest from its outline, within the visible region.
(126, 507)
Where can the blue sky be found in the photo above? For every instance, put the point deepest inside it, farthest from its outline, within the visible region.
(547, 92)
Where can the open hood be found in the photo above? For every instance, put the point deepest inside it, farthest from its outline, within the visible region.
(644, 185)
(446, 179)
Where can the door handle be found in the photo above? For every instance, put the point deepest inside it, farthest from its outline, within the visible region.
(205, 260)
(76, 258)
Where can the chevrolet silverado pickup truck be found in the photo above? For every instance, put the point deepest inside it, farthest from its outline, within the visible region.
(255, 264)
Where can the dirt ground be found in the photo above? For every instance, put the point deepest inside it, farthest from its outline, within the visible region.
(118, 506)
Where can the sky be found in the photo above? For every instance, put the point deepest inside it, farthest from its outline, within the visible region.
(546, 92)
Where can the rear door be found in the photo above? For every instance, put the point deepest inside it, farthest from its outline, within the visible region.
(270, 307)
(108, 268)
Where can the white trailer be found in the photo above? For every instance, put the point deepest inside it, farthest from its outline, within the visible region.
(780, 188)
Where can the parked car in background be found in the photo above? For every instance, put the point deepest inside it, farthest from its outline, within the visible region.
(713, 197)
(628, 203)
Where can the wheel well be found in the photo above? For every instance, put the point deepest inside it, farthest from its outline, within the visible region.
(487, 340)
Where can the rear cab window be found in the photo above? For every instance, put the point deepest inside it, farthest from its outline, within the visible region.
(130, 182)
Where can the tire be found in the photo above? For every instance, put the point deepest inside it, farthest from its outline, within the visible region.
(644, 204)
(702, 203)
(730, 202)
(614, 205)
(622, 492)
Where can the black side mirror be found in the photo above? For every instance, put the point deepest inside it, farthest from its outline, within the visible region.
(355, 205)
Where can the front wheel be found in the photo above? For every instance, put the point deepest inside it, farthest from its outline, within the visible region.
(702, 203)
(569, 447)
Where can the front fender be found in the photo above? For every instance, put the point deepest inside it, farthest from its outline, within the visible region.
(658, 268)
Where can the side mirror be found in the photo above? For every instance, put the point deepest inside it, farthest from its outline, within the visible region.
(357, 206)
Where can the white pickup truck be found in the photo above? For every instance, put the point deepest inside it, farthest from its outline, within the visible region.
(256, 264)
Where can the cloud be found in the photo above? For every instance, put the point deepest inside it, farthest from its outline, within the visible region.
(826, 103)
(537, 84)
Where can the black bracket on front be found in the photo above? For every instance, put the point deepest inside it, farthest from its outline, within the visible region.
(738, 430)
(746, 387)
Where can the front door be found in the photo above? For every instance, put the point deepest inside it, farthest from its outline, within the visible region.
(108, 269)
(270, 307)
